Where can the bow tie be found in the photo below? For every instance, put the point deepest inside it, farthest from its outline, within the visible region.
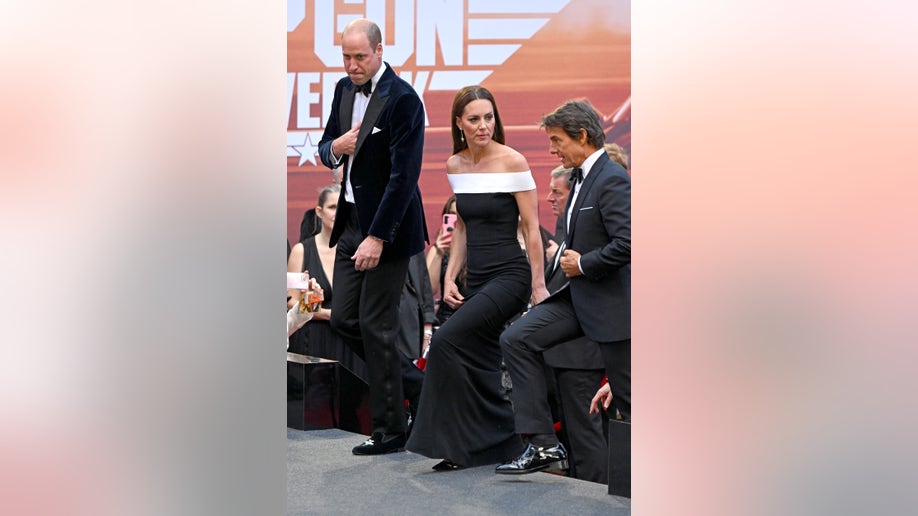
(576, 175)
(366, 88)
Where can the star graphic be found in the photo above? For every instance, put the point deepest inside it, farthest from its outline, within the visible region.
(307, 150)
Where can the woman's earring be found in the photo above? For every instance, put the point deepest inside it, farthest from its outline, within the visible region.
(462, 135)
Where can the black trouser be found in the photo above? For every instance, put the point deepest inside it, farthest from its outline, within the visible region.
(365, 314)
(545, 325)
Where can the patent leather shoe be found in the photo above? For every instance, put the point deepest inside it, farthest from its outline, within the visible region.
(380, 444)
(447, 465)
(535, 458)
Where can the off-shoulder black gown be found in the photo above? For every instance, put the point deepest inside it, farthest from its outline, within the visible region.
(463, 414)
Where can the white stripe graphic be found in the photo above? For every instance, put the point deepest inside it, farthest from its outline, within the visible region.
(505, 28)
(516, 6)
(490, 54)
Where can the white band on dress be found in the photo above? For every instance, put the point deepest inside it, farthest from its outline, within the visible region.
(491, 182)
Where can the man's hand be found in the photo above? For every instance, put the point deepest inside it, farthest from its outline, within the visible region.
(367, 255)
(569, 263)
(347, 142)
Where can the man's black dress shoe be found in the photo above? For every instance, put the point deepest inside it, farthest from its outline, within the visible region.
(535, 458)
(379, 444)
(447, 465)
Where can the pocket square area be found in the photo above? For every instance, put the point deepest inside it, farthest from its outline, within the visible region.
(587, 208)
(375, 130)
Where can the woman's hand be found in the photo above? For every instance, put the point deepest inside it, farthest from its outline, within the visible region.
(539, 294)
(451, 295)
(604, 396)
(296, 319)
(444, 239)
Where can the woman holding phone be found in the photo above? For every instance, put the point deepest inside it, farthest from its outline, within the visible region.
(464, 417)
(438, 258)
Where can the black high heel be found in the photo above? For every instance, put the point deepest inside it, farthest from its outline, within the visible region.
(447, 465)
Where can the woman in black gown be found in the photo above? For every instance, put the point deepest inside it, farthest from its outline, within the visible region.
(317, 338)
(463, 416)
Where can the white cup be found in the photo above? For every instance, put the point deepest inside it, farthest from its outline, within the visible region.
(298, 280)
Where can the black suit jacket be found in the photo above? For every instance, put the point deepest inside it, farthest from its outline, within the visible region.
(580, 353)
(386, 164)
(600, 230)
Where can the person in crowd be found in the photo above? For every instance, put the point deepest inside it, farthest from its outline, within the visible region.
(558, 189)
(297, 317)
(310, 225)
(596, 301)
(464, 417)
(602, 397)
(618, 154)
(416, 310)
(319, 339)
(437, 260)
(575, 368)
(375, 132)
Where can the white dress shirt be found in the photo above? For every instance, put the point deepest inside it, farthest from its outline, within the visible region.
(361, 102)
(585, 166)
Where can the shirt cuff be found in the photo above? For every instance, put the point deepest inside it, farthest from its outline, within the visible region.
(578, 264)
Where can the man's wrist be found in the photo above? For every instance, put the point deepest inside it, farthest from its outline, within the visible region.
(336, 159)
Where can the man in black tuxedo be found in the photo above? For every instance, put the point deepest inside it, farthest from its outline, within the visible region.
(575, 366)
(596, 301)
(376, 133)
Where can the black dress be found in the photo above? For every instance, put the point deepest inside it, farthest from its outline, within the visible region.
(317, 338)
(463, 414)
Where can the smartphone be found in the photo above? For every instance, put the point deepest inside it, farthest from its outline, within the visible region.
(449, 222)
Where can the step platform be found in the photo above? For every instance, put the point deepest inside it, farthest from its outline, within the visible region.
(323, 394)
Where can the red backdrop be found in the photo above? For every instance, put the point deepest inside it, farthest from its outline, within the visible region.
(532, 60)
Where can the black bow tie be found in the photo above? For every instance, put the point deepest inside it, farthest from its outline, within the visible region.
(366, 88)
(576, 175)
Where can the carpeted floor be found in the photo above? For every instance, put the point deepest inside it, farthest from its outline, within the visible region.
(323, 477)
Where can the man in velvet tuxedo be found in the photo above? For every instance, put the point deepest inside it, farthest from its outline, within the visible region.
(596, 301)
(375, 133)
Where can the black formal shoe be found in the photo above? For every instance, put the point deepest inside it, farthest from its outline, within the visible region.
(379, 444)
(535, 458)
(447, 465)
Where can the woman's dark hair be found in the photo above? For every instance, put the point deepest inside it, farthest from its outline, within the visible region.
(462, 99)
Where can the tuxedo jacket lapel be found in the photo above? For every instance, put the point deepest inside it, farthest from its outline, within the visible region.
(346, 108)
(374, 108)
(582, 195)
(345, 113)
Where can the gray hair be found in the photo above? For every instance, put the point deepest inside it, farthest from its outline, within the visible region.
(560, 171)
